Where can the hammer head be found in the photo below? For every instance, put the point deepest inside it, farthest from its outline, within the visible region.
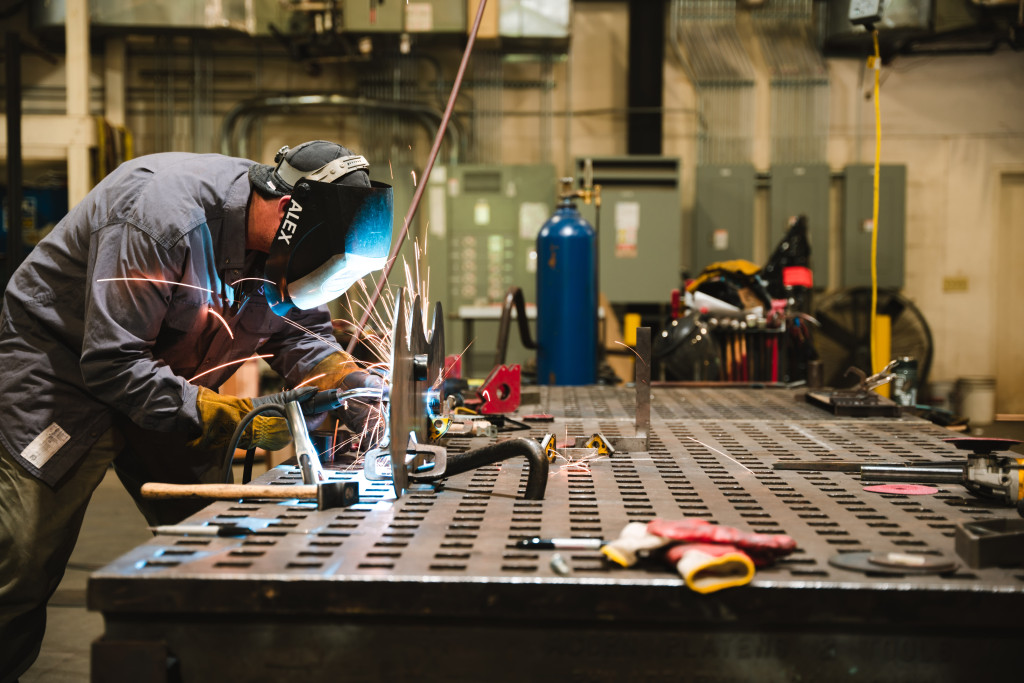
(336, 494)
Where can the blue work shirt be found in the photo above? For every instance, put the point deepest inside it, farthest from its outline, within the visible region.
(131, 296)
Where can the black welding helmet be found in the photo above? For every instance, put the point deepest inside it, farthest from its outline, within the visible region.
(331, 236)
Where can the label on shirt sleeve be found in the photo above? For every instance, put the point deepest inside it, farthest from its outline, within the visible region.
(45, 445)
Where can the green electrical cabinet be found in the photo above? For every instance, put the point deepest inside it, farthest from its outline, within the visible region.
(802, 189)
(639, 227)
(374, 16)
(480, 224)
(723, 222)
(858, 185)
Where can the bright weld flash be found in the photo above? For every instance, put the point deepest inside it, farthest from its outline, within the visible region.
(233, 362)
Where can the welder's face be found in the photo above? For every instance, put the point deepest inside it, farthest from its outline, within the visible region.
(330, 236)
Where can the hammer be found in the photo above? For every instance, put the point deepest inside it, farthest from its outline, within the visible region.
(328, 494)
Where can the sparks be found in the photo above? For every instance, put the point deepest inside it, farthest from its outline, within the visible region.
(224, 322)
(413, 177)
(233, 362)
(330, 342)
(150, 279)
(391, 170)
(724, 455)
(311, 379)
(243, 279)
(631, 349)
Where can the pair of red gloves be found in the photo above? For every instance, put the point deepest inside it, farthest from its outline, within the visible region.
(708, 556)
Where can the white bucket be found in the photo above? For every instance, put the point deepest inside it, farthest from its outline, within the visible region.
(976, 400)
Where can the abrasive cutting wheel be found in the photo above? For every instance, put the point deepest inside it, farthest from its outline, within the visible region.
(417, 365)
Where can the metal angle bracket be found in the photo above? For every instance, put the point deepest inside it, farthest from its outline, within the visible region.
(500, 391)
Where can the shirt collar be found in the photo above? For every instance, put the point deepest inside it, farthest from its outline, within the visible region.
(232, 241)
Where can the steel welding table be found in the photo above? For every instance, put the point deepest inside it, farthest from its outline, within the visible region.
(433, 587)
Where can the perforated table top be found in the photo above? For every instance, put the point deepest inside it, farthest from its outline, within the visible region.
(445, 551)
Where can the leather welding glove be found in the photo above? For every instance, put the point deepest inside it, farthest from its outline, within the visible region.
(359, 415)
(709, 567)
(220, 416)
(763, 549)
(633, 539)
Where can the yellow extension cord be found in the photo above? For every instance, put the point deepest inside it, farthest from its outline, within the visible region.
(876, 363)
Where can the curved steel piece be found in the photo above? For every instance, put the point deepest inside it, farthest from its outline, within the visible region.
(513, 298)
(536, 481)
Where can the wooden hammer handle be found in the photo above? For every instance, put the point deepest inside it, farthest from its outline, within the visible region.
(227, 491)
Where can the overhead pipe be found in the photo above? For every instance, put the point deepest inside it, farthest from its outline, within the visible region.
(262, 106)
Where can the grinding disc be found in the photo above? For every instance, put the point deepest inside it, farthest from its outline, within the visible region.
(891, 563)
(903, 489)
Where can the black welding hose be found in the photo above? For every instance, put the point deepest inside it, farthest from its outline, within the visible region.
(250, 453)
(536, 481)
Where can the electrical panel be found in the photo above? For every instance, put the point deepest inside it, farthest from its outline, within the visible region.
(639, 225)
(723, 221)
(480, 227)
(374, 16)
(534, 18)
(857, 225)
(435, 16)
(802, 189)
(396, 16)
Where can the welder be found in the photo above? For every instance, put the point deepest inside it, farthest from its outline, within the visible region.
(115, 326)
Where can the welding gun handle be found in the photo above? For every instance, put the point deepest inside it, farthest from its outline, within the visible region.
(920, 475)
(285, 397)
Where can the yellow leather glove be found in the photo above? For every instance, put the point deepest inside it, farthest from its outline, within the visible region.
(220, 416)
(331, 371)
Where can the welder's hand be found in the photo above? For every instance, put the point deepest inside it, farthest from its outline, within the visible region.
(220, 415)
(362, 415)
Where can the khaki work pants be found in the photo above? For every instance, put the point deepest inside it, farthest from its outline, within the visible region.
(39, 524)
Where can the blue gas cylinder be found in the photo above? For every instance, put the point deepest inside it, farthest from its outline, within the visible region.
(567, 298)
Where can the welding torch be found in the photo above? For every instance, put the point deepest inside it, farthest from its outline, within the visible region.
(294, 405)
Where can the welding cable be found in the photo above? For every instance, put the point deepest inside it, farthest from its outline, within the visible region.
(421, 186)
(320, 402)
(876, 363)
(250, 453)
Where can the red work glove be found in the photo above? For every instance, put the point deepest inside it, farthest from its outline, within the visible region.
(763, 549)
(709, 567)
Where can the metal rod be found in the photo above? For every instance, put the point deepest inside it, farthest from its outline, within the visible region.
(382, 282)
(927, 475)
(643, 384)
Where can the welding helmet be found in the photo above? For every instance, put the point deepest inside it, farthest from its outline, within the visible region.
(684, 351)
(331, 236)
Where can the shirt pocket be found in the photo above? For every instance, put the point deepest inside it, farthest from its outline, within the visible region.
(186, 311)
(257, 322)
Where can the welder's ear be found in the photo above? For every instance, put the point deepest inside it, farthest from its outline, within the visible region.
(282, 205)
